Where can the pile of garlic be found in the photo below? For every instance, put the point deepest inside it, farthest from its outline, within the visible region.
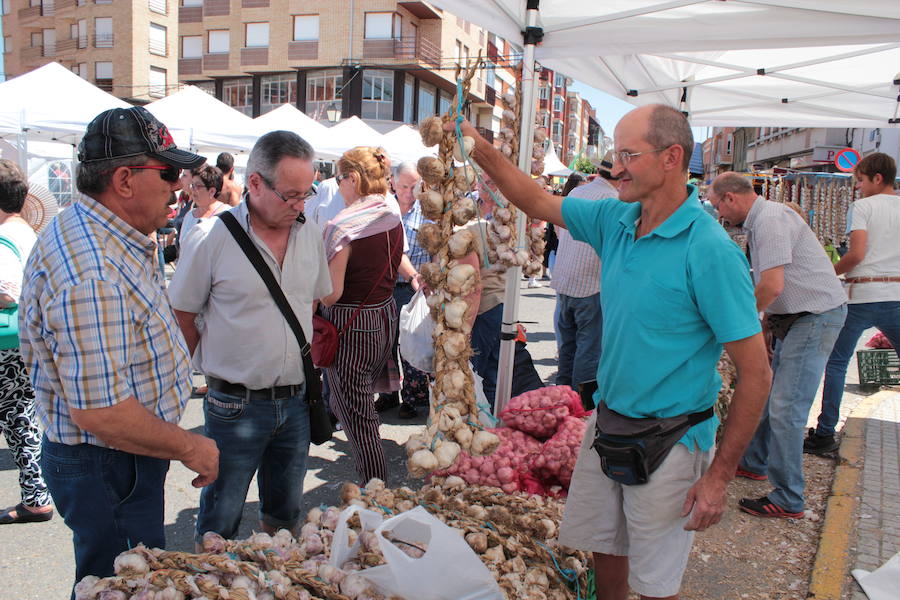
(453, 422)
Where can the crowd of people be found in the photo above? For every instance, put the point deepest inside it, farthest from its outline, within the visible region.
(94, 387)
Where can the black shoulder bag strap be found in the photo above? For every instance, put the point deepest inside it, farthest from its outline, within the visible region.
(311, 375)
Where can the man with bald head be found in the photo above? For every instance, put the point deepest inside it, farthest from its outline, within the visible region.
(674, 289)
(805, 305)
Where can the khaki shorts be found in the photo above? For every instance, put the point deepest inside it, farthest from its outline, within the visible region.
(642, 522)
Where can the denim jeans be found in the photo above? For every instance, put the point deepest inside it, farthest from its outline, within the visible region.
(111, 500)
(486, 344)
(883, 315)
(797, 366)
(579, 327)
(269, 435)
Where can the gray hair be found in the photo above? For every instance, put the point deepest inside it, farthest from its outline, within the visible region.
(407, 167)
(268, 151)
(731, 182)
(669, 127)
(92, 178)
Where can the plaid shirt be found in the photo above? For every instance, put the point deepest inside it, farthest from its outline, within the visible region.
(95, 324)
(411, 223)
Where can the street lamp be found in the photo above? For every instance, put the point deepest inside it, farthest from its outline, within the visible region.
(333, 112)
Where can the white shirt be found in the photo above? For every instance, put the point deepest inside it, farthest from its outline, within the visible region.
(11, 266)
(244, 338)
(879, 217)
(326, 204)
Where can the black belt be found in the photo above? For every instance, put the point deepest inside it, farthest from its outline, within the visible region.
(279, 392)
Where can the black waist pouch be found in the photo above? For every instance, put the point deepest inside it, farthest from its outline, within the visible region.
(631, 449)
(780, 325)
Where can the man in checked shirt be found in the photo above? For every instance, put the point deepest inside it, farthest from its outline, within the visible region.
(109, 365)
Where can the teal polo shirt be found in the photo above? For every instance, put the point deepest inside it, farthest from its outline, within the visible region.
(670, 300)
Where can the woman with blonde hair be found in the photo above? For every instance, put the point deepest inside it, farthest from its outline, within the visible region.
(363, 245)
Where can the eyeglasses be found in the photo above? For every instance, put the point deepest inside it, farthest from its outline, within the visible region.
(167, 173)
(341, 177)
(306, 196)
(625, 157)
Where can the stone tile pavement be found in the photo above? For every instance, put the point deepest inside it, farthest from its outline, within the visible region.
(879, 511)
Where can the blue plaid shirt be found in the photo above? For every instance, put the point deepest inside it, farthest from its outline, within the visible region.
(411, 223)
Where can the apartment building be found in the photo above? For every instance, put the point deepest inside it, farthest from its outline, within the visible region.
(125, 47)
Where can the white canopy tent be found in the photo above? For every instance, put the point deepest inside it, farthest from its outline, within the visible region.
(405, 144)
(553, 166)
(198, 121)
(290, 118)
(350, 133)
(740, 62)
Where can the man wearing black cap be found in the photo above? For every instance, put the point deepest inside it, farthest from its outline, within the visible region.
(108, 363)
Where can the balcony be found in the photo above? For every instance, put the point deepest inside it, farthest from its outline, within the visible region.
(27, 14)
(492, 53)
(105, 84)
(32, 53)
(71, 44)
(490, 95)
(190, 66)
(216, 8)
(403, 48)
(303, 50)
(103, 40)
(254, 3)
(216, 62)
(486, 133)
(190, 14)
(254, 56)
(544, 104)
(62, 5)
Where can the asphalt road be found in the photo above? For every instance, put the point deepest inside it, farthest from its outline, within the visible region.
(36, 562)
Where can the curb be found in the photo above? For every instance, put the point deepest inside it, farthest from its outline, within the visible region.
(832, 564)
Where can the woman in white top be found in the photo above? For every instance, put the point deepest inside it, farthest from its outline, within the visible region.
(206, 185)
(17, 410)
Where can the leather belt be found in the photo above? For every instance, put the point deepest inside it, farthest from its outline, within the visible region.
(279, 392)
(884, 279)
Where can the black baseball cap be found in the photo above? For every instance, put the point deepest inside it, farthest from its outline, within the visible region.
(124, 132)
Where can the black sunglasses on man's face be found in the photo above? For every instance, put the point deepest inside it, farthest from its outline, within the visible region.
(167, 173)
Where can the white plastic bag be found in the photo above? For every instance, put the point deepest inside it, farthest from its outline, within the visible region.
(449, 569)
(416, 326)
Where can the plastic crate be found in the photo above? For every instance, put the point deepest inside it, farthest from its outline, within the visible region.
(878, 367)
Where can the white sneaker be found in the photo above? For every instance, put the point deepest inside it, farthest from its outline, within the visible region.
(534, 283)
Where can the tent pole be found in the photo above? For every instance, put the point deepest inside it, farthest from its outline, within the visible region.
(22, 144)
(526, 131)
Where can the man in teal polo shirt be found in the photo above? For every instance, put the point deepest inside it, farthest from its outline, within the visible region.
(675, 289)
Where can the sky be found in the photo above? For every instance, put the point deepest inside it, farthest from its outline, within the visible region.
(610, 110)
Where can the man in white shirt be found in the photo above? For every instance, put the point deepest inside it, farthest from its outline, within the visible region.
(872, 268)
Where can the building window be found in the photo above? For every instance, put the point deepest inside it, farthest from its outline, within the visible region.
(321, 90)
(458, 52)
(379, 26)
(443, 102)
(103, 75)
(545, 121)
(103, 1)
(159, 6)
(82, 70)
(238, 94)
(257, 35)
(545, 92)
(191, 46)
(158, 83)
(559, 80)
(557, 130)
(559, 104)
(306, 28)
(427, 94)
(490, 74)
(378, 95)
(103, 32)
(82, 33)
(7, 44)
(59, 182)
(49, 42)
(409, 100)
(276, 90)
(5, 7)
(192, 2)
(219, 41)
(207, 86)
(158, 43)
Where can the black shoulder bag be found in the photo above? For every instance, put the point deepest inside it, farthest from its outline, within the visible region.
(320, 429)
(631, 449)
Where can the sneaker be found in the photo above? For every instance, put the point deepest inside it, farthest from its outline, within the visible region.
(534, 283)
(819, 444)
(386, 402)
(740, 472)
(407, 411)
(763, 507)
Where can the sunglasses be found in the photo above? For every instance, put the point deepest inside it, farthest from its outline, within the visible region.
(167, 173)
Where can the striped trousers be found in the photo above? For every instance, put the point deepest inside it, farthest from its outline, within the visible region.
(363, 366)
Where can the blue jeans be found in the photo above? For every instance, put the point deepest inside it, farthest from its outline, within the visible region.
(111, 500)
(579, 327)
(883, 315)
(486, 344)
(797, 366)
(269, 435)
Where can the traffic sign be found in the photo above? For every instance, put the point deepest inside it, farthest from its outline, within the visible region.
(846, 160)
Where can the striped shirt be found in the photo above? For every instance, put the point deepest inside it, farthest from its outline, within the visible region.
(412, 220)
(577, 269)
(779, 237)
(95, 324)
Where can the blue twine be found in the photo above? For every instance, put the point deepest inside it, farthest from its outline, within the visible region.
(569, 575)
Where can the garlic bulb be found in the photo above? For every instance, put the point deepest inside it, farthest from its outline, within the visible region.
(422, 462)
(468, 144)
(461, 243)
(431, 130)
(484, 442)
(463, 210)
(430, 237)
(455, 316)
(464, 177)
(431, 170)
(432, 204)
(432, 275)
(461, 279)
(454, 344)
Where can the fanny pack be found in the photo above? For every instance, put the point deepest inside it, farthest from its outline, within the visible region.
(631, 449)
(780, 325)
